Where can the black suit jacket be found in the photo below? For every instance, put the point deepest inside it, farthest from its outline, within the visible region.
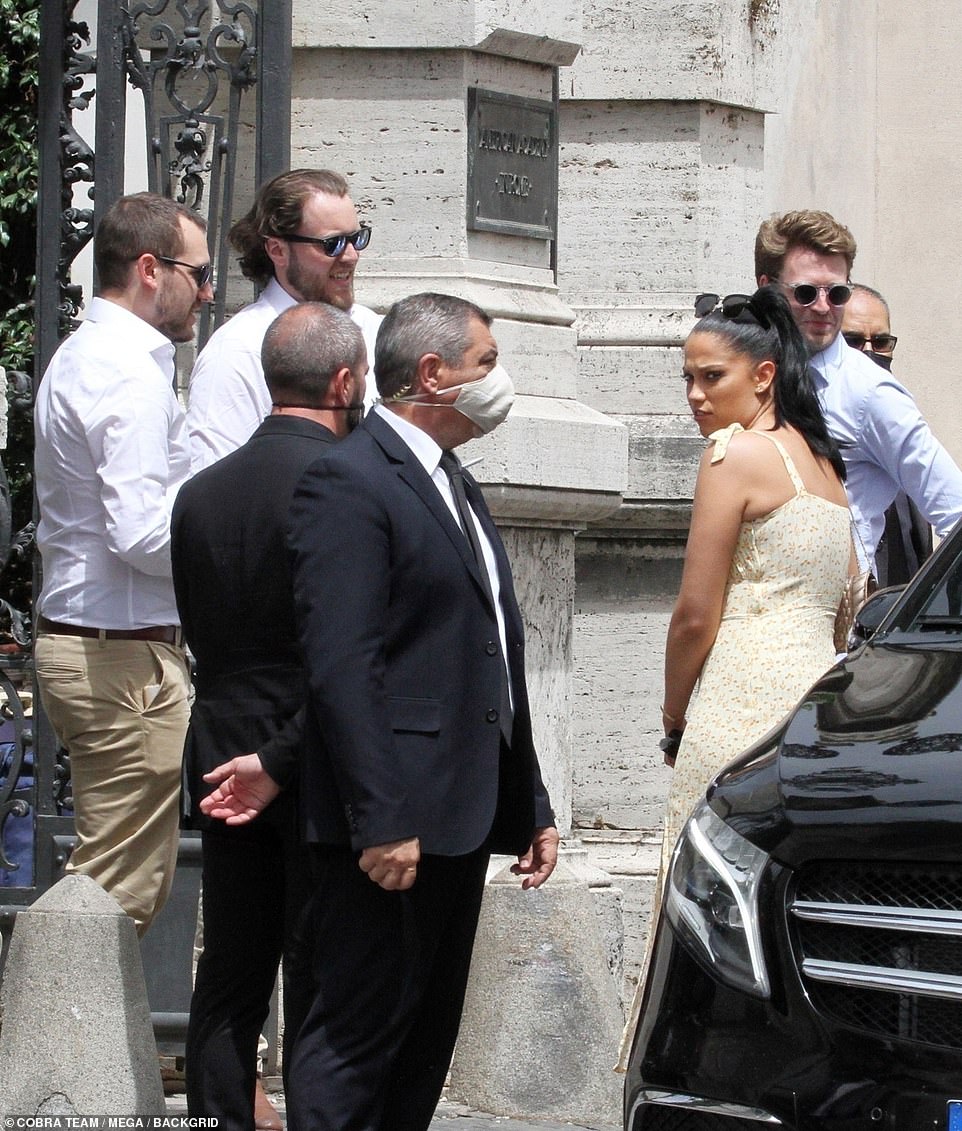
(233, 587)
(401, 647)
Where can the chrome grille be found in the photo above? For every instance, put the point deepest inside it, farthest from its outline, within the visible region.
(879, 947)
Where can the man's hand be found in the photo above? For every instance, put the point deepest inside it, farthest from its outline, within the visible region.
(393, 866)
(538, 862)
(245, 789)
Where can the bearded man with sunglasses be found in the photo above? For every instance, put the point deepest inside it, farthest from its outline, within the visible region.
(886, 444)
(301, 242)
(111, 454)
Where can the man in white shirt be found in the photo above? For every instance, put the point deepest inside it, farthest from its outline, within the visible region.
(886, 444)
(301, 242)
(111, 452)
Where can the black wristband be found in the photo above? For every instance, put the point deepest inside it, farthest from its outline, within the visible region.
(670, 743)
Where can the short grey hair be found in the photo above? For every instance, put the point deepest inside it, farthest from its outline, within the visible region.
(304, 347)
(418, 325)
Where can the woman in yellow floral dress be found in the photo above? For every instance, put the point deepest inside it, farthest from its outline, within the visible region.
(769, 548)
(768, 552)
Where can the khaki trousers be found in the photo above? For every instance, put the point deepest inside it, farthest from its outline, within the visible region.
(120, 709)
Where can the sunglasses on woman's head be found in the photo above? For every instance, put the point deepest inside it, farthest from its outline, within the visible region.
(731, 305)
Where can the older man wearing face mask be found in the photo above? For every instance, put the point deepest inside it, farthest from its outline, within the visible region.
(418, 760)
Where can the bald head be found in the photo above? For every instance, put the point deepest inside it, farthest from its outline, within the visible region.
(304, 348)
(865, 322)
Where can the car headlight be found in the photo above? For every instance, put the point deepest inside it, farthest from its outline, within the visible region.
(711, 900)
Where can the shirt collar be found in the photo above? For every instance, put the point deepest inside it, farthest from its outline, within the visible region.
(282, 300)
(119, 320)
(426, 451)
(277, 298)
(831, 359)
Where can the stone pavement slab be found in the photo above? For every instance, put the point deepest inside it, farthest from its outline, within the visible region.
(456, 1117)
(449, 1117)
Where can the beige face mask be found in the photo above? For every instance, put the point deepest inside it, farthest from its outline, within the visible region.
(485, 403)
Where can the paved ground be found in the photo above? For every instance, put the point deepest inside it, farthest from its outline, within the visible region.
(449, 1117)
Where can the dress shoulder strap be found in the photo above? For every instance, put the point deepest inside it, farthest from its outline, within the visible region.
(722, 439)
(796, 479)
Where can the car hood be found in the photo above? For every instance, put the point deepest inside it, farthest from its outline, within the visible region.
(868, 766)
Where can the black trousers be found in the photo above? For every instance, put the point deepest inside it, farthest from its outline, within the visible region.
(255, 891)
(390, 971)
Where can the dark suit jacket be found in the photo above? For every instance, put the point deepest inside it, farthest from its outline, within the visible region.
(232, 581)
(401, 647)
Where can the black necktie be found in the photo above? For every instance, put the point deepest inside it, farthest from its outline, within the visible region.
(452, 467)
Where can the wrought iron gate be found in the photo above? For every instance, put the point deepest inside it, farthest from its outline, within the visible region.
(188, 71)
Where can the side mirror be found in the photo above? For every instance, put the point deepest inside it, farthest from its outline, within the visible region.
(872, 613)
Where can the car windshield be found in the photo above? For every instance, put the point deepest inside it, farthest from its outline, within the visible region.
(934, 602)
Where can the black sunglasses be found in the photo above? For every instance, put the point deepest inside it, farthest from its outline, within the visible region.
(731, 305)
(202, 274)
(881, 343)
(333, 246)
(806, 293)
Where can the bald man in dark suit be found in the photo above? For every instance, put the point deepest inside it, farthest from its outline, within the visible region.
(234, 594)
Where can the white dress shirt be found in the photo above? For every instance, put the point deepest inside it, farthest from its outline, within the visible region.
(891, 447)
(228, 396)
(427, 452)
(111, 453)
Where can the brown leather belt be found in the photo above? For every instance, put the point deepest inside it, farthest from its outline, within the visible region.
(160, 633)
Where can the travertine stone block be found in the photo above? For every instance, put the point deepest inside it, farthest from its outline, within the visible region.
(539, 984)
(714, 49)
(546, 31)
(672, 193)
(542, 563)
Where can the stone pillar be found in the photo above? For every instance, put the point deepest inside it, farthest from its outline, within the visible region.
(542, 1017)
(76, 1037)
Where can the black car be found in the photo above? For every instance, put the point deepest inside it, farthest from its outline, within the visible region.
(807, 968)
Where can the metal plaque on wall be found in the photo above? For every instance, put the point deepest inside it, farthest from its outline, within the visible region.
(512, 165)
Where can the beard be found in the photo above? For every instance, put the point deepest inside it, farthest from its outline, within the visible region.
(172, 319)
(312, 288)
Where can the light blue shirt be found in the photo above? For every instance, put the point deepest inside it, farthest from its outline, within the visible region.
(891, 447)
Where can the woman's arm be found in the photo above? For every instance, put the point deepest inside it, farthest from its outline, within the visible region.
(721, 494)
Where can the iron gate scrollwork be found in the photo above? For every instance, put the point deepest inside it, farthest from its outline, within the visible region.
(187, 69)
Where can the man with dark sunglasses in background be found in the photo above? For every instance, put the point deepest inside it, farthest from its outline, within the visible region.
(886, 444)
(907, 541)
(301, 242)
(866, 325)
